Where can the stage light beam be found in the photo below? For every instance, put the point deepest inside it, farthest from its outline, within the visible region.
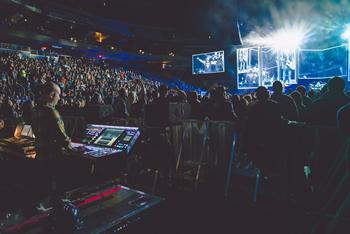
(346, 34)
(287, 39)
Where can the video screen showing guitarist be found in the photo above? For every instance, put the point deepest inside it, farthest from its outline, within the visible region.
(287, 66)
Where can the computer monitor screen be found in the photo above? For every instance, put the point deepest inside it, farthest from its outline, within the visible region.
(212, 62)
(108, 137)
(91, 133)
(120, 137)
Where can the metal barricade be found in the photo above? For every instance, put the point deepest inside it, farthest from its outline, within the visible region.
(204, 143)
(175, 137)
(194, 133)
(221, 137)
(314, 148)
(134, 122)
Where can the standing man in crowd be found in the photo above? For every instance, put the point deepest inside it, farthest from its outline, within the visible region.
(323, 111)
(264, 128)
(307, 101)
(288, 107)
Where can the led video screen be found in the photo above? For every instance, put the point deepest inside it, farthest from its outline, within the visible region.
(248, 68)
(206, 63)
(287, 67)
(323, 64)
(269, 66)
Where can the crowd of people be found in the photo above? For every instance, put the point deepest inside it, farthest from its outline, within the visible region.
(263, 119)
(88, 81)
(82, 81)
(259, 116)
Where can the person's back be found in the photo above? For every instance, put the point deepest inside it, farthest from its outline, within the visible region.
(162, 99)
(138, 108)
(47, 124)
(48, 128)
(51, 141)
(263, 132)
(6, 110)
(27, 110)
(288, 108)
(196, 107)
(306, 100)
(263, 120)
(343, 117)
(223, 111)
(324, 109)
(298, 99)
(219, 108)
(120, 106)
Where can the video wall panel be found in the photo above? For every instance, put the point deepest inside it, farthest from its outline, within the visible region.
(287, 67)
(206, 63)
(264, 65)
(323, 64)
(248, 68)
(269, 66)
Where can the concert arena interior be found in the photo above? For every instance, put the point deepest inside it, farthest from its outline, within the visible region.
(174, 117)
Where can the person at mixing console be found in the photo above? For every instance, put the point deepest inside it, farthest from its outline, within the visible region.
(48, 125)
(51, 141)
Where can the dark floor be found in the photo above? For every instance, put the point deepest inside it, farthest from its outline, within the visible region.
(205, 210)
(195, 213)
(208, 211)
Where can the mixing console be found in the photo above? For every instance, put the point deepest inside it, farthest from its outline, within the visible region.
(103, 140)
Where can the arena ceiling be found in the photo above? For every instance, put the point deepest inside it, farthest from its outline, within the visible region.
(179, 14)
(199, 19)
(214, 18)
(207, 21)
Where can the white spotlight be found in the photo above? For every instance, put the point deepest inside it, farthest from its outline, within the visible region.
(287, 39)
(346, 34)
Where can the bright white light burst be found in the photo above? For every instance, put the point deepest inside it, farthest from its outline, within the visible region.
(346, 34)
(287, 39)
(284, 39)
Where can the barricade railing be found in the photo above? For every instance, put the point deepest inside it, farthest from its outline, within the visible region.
(203, 143)
(313, 147)
(132, 122)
